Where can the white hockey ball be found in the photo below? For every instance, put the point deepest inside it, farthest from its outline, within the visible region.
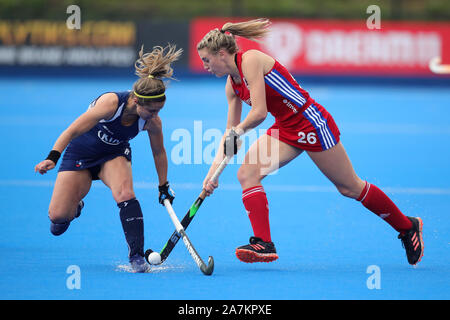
(154, 258)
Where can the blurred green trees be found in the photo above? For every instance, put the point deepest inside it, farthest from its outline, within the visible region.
(184, 10)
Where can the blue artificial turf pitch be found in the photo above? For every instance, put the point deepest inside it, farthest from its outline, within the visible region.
(397, 138)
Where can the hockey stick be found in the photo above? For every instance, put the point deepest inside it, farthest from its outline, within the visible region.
(170, 244)
(206, 269)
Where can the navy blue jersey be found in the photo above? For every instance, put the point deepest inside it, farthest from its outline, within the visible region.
(105, 141)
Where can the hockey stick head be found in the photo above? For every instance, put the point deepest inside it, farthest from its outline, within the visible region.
(208, 270)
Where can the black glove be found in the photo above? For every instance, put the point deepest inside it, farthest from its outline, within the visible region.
(230, 145)
(165, 192)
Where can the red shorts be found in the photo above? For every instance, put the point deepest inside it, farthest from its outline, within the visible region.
(313, 129)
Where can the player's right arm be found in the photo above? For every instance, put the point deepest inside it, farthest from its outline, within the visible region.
(104, 108)
(233, 119)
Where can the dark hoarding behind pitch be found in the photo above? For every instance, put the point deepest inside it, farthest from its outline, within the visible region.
(96, 45)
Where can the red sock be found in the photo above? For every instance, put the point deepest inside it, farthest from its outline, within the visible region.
(376, 201)
(255, 202)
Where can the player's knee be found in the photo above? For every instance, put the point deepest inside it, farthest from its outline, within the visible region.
(248, 176)
(123, 194)
(243, 175)
(348, 191)
(58, 215)
(58, 223)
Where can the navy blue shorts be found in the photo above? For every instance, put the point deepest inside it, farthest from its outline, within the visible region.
(74, 161)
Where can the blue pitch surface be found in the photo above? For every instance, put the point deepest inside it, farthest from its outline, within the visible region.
(397, 138)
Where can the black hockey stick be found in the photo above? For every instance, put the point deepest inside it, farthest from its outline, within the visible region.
(170, 244)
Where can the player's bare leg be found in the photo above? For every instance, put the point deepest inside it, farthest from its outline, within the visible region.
(336, 166)
(69, 190)
(265, 156)
(117, 175)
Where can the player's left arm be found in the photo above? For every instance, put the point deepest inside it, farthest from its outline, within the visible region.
(253, 71)
(155, 134)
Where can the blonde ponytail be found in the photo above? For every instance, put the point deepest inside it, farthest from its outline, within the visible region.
(217, 39)
(152, 68)
(253, 29)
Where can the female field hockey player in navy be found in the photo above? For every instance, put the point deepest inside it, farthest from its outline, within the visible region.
(301, 125)
(97, 147)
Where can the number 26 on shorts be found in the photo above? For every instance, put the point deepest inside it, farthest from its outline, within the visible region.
(307, 138)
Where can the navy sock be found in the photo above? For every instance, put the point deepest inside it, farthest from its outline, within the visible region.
(58, 229)
(133, 226)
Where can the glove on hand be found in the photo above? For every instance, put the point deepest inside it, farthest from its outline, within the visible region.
(231, 143)
(165, 192)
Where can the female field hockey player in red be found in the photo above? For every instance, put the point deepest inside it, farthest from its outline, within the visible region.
(97, 148)
(301, 125)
